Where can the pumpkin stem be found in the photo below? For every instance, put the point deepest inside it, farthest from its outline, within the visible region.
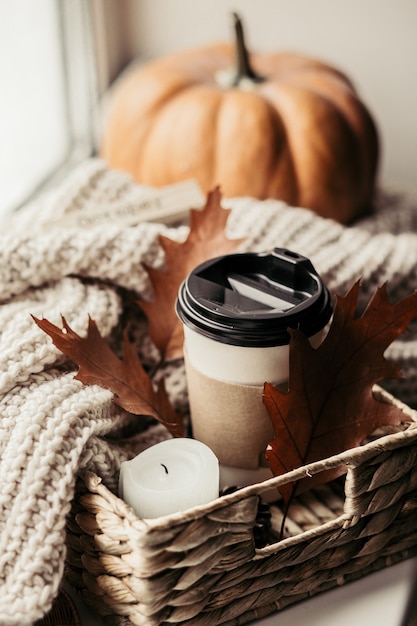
(244, 72)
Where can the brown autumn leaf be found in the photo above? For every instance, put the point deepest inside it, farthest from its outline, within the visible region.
(329, 406)
(206, 239)
(126, 378)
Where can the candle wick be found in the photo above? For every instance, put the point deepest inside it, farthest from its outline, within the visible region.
(165, 468)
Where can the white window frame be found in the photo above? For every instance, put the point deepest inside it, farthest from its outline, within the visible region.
(78, 26)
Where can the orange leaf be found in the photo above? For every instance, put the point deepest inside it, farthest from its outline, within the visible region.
(127, 379)
(206, 239)
(329, 406)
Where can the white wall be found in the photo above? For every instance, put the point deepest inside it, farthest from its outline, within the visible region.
(373, 41)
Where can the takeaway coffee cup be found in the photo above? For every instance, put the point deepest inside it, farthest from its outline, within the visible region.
(236, 311)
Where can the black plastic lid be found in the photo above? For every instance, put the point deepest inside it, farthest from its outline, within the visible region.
(251, 299)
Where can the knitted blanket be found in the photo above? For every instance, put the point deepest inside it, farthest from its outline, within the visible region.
(53, 426)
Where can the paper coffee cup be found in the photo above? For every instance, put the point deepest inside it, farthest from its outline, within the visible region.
(236, 310)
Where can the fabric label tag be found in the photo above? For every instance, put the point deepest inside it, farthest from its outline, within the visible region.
(165, 204)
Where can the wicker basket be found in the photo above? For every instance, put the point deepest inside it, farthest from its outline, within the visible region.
(202, 567)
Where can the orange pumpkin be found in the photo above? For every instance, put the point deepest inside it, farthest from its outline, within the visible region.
(293, 129)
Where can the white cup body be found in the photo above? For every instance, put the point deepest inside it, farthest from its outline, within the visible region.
(240, 364)
(236, 364)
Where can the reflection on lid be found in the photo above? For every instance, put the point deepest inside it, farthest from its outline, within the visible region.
(282, 299)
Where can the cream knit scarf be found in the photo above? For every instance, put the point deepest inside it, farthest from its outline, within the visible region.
(51, 425)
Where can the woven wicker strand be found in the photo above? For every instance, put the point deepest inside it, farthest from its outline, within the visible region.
(201, 567)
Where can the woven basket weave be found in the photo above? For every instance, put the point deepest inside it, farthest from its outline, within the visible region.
(202, 567)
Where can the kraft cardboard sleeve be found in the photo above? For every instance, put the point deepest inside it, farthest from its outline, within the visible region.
(230, 418)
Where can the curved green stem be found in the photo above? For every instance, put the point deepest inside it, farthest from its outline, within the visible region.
(243, 70)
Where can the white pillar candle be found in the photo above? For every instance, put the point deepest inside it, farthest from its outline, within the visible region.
(171, 476)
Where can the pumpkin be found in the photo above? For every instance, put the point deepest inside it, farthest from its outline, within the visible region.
(281, 125)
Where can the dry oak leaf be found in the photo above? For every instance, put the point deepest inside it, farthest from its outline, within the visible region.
(98, 365)
(329, 406)
(206, 239)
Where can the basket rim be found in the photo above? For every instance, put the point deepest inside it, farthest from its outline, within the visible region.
(351, 458)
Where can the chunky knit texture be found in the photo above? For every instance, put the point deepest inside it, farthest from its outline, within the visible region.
(52, 426)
